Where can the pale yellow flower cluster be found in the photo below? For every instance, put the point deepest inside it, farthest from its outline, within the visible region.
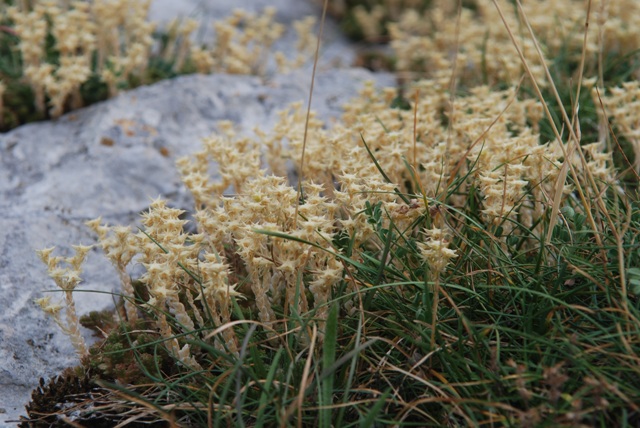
(116, 31)
(113, 40)
(478, 42)
(181, 278)
(435, 250)
(274, 265)
(371, 20)
(179, 41)
(120, 247)
(490, 131)
(506, 158)
(560, 26)
(244, 41)
(600, 164)
(66, 274)
(337, 156)
(622, 106)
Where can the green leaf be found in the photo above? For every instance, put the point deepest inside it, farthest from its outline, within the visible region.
(372, 415)
(328, 358)
(266, 392)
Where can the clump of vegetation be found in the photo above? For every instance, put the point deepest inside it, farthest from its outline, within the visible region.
(482, 43)
(58, 55)
(442, 262)
(368, 19)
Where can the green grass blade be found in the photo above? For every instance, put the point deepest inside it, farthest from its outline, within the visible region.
(328, 358)
(375, 161)
(372, 414)
(266, 392)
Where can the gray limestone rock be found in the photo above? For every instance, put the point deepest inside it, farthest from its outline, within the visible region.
(109, 160)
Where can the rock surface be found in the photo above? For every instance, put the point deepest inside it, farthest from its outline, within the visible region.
(109, 160)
